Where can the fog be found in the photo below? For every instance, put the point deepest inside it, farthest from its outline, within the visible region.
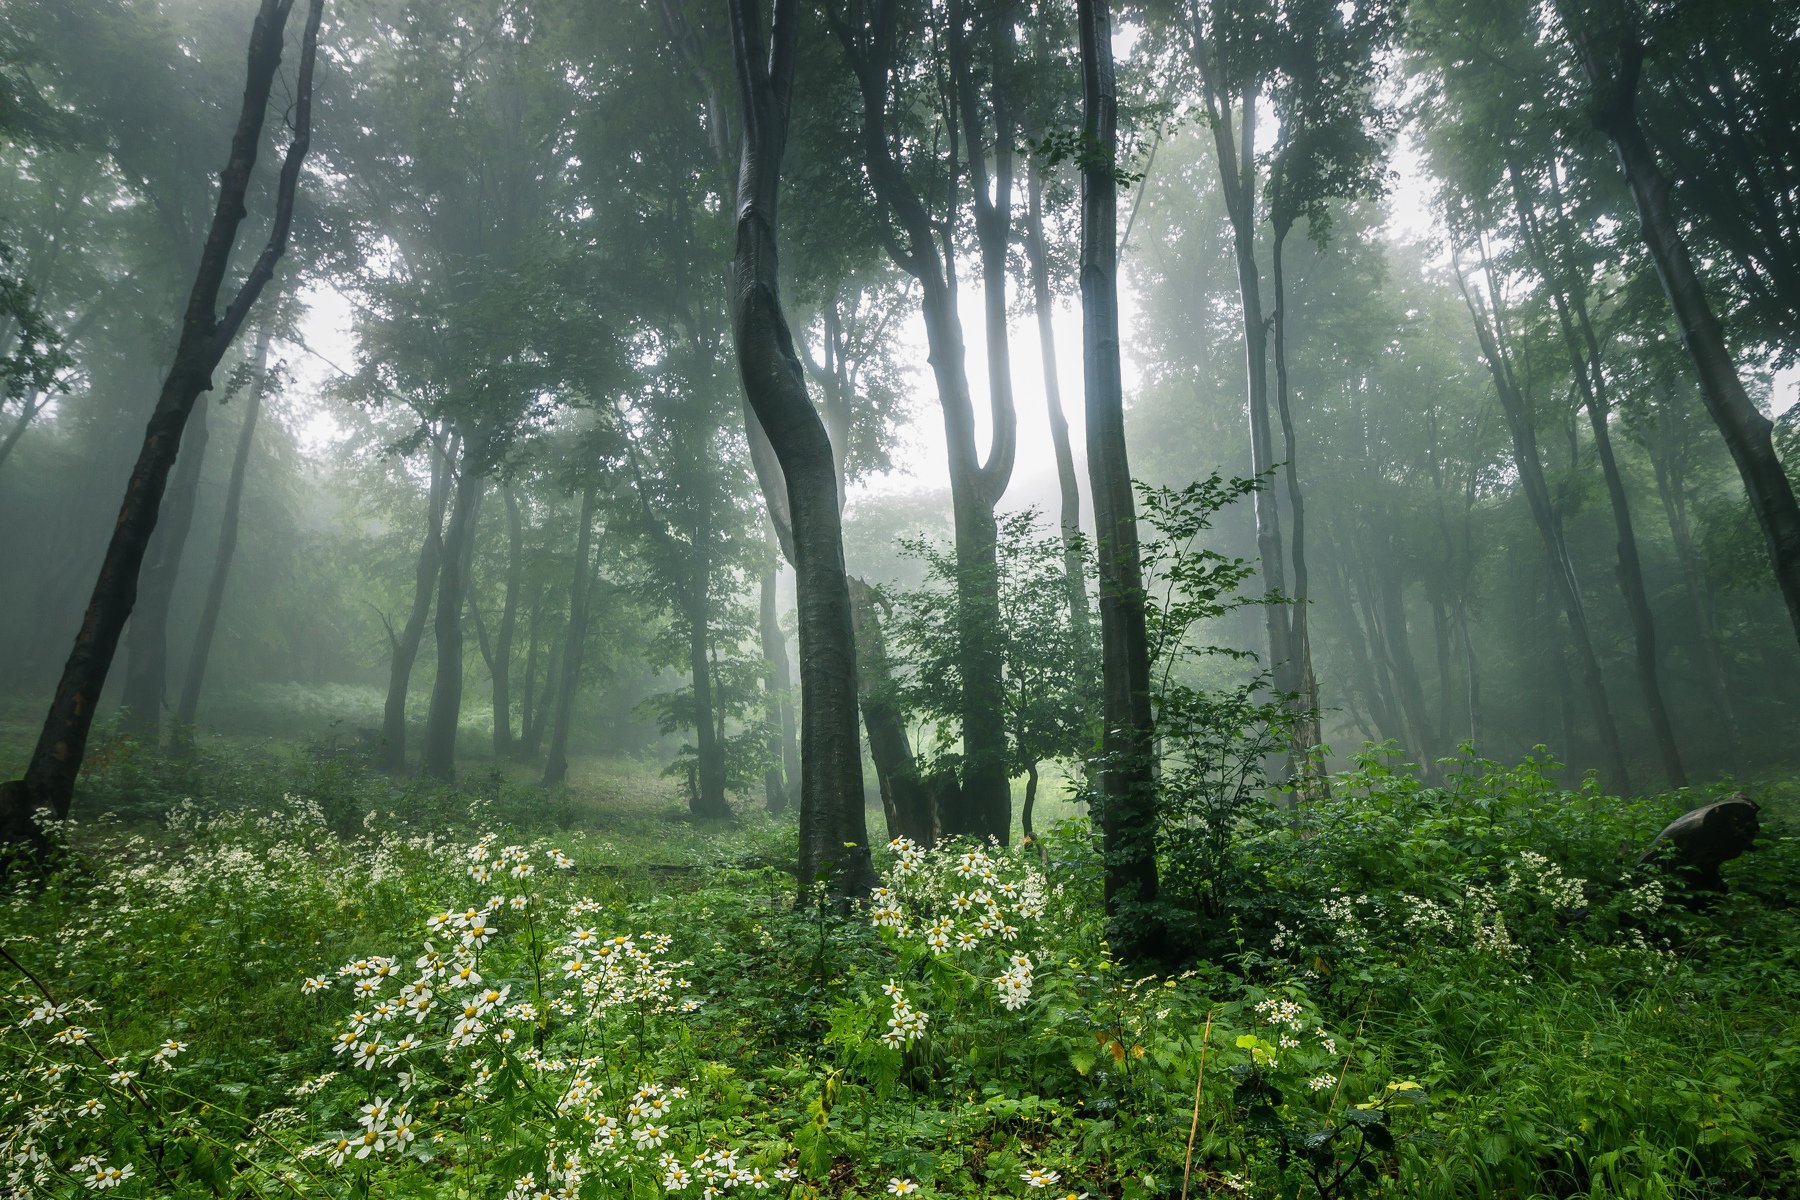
(494, 369)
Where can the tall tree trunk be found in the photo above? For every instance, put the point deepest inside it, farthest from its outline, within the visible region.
(403, 648)
(1234, 144)
(834, 839)
(147, 636)
(1520, 425)
(49, 778)
(1568, 297)
(1306, 735)
(437, 758)
(1127, 785)
(1037, 257)
(581, 587)
(985, 804)
(509, 620)
(189, 705)
(1612, 56)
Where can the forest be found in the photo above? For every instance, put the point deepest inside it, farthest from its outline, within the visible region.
(1084, 599)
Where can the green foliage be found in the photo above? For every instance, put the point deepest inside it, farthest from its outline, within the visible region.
(1050, 677)
(967, 1034)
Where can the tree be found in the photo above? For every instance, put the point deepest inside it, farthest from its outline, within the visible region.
(919, 197)
(1608, 44)
(1126, 789)
(206, 334)
(833, 831)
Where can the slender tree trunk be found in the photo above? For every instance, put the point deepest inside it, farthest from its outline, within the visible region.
(1235, 146)
(1562, 576)
(1037, 258)
(834, 839)
(49, 779)
(404, 648)
(1127, 791)
(201, 652)
(438, 755)
(509, 620)
(1567, 297)
(1612, 59)
(147, 636)
(581, 586)
(1306, 735)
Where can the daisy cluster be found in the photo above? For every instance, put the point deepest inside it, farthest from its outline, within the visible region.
(494, 998)
(62, 1084)
(978, 903)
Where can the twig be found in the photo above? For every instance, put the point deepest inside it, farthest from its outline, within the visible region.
(1194, 1127)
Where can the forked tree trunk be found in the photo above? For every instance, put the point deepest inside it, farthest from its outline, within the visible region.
(1611, 51)
(834, 839)
(206, 334)
(147, 636)
(403, 648)
(528, 692)
(1127, 791)
(201, 653)
(985, 801)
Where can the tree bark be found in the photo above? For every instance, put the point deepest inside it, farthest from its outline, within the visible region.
(437, 758)
(201, 652)
(1613, 71)
(49, 779)
(834, 839)
(147, 636)
(404, 648)
(1127, 784)
(581, 586)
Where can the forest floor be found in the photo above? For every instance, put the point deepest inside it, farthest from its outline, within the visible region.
(276, 972)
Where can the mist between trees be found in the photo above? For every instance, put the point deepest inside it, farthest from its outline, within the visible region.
(1513, 482)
